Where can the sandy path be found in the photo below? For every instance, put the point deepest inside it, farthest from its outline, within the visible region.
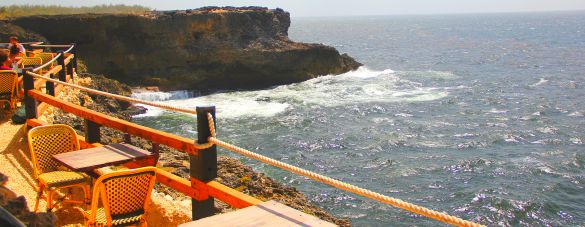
(15, 161)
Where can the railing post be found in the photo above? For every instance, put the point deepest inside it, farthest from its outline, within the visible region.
(70, 69)
(203, 167)
(30, 104)
(61, 62)
(92, 131)
(156, 151)
(74, 52)
(128, 138)
(50, 86)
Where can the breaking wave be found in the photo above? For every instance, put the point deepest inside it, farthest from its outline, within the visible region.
(360, 86)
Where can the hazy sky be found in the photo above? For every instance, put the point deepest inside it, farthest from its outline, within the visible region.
(303, 8)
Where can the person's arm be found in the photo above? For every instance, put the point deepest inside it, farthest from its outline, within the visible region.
(22, 50)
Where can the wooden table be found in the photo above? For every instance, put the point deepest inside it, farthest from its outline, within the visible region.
(268, 213)
(87, 160)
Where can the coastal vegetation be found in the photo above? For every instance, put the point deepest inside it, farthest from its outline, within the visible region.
(13, 11)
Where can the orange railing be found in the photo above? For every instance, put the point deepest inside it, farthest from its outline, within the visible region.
(37, 101)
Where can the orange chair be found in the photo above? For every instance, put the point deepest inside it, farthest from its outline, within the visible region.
(30, 62)
(8, 82)
(44, 142)
(124, 195)
(46, 57)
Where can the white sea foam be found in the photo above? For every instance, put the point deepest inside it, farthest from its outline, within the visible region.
(542, 81)
(163, 96)
(359, 86)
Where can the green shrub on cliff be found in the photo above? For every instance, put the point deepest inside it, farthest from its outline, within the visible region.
(29, 10)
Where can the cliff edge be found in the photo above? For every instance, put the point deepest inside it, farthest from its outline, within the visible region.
(206, 49)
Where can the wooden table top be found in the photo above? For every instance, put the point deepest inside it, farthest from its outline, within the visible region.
(87, 160)
(269, 213)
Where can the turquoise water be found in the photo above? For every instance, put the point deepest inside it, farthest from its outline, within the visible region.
(481, 116)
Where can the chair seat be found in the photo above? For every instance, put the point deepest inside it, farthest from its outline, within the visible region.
(62, 178)
(120, 220)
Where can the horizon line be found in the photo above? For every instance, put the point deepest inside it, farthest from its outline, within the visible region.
(444, 14)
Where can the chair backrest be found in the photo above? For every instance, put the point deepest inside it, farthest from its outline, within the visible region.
(46, 141)
(31, 62)
(123, 193)
(7, 82)
(46, 57)
(34, 52)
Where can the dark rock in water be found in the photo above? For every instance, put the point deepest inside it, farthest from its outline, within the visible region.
(205, 49)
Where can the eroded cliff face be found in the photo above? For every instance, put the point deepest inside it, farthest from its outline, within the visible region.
(206, 49)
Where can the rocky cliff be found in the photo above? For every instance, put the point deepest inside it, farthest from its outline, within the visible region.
(209, 48)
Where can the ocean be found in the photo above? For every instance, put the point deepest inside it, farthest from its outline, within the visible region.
(480, 116)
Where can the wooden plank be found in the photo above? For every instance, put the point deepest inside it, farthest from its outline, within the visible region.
(39, 82)
(34, 122)
(53, 70)
(89, 159)
(42, 107)
(231, 196)
(215, 189)
(180, 143)
(178, 183)
(68, 57)
(268, 213)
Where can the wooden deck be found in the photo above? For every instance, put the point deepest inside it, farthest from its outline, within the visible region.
(269, 213)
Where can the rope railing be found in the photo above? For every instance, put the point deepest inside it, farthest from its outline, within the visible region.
(339, 184)
(212, 140)
(40, 44)
(69, 50)
(115, 96)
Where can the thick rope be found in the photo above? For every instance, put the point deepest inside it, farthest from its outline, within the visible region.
(211, 132)
(341, 185)
(211, 123)
(114, 96)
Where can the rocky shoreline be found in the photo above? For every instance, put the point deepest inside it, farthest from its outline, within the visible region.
(206, 49)
(231, 172)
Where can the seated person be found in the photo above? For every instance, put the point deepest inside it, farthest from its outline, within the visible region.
(15, 55)
(14, 42)
(5, 63)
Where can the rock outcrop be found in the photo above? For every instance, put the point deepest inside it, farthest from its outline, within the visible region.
(8, 29)
(206, 49)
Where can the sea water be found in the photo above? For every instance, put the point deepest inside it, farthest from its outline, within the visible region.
(480, 116)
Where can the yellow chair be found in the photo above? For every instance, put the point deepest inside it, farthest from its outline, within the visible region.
(44, 142)
(46, 57)
(124, 196)
(34, 52)
(8, 81)
(30, 62)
